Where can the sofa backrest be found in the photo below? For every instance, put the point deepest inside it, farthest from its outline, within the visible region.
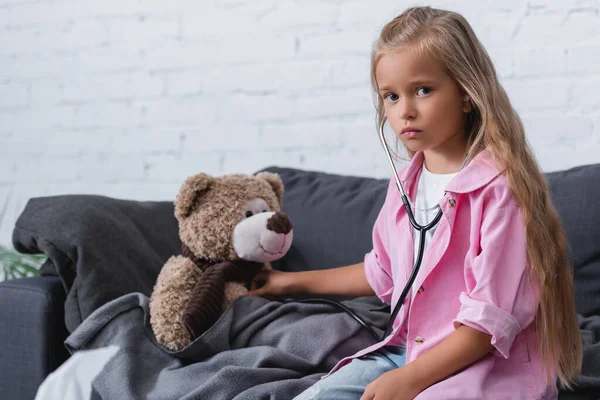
(333, 216)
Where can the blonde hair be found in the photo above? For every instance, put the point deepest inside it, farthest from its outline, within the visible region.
(493, 124)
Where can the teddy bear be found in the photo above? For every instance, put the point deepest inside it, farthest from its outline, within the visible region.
(231, 227)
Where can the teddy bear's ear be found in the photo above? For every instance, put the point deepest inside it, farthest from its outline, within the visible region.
(192, 189)
(276, 184)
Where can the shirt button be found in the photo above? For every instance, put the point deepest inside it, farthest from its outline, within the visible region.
(419, 339)
(421, 290)
(452, 202)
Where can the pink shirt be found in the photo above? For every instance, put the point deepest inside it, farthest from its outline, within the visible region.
(474, 272)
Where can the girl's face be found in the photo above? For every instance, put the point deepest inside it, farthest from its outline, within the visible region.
(418, 94)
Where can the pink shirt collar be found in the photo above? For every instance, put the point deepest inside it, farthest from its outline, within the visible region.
(476, 174)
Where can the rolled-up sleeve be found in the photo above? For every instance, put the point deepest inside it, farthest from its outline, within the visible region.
(501, 298)
(377, 261)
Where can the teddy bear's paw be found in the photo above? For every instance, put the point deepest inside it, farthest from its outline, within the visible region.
(169, 300)
(233, 290)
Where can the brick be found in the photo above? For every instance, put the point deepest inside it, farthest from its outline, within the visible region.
(209, 23)
(580, 25)
(223, 136)
(243, 107)
(483, 6)
(178, 54)
(530, 33)
(352, 101)
(494, 27)
(114, 114)
(583, 59)
(344, 43)
(23, 142)
(538, 94)
(192, 112)
(503, 60)
(45, 92)
(210, 50)
(37, 118)
(78, 142)
(8, 170)
(35, 66)
(47, 169)
(351, 71)
(13, 95)
(584, 93)
(174, 169)
(288, 76)
(362, 133)
(249, 162)
(344, 161)
(317, 134)
(371, 16)
(547, 132)
(147, 141)
(113, 57)
(540, 62)
(61, 36)
(114, 86)
(139, 28)
(110, 168)
(289, 16)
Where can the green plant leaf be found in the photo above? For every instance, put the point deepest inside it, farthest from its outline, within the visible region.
(18, 265)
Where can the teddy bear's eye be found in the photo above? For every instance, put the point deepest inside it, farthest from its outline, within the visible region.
(264, 211)
(249, 214)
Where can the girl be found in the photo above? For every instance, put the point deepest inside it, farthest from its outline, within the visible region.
(492, 313)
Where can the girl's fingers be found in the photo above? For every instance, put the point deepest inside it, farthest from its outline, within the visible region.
(258, 281)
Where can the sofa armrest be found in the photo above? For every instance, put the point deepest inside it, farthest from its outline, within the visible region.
(32, 333)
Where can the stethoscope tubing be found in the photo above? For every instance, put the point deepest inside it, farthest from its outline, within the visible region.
(422, 229)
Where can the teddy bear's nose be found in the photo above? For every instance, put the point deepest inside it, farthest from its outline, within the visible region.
(279, 223)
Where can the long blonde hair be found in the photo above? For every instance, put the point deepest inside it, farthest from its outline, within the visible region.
(493, 124)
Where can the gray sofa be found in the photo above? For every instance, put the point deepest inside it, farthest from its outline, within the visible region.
(101, 248)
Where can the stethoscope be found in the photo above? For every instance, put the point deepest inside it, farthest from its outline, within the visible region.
(422, 229)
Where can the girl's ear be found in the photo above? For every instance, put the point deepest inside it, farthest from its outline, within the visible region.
(191, 191)
(467, 104)
(276, 184)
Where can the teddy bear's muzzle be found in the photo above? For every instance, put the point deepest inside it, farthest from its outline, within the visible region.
(263, 237)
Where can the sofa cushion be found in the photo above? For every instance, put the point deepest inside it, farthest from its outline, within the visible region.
(575, 194)
(332, 215)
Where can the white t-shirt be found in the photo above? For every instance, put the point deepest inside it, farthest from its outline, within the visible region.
(430, 190)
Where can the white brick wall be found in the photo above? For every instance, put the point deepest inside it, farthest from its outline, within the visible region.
(126, 98)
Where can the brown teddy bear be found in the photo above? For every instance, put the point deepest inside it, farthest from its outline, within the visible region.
(230, 227)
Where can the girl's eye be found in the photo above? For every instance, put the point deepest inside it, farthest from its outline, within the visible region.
(391, 96)
(249, 214)
(428, 90)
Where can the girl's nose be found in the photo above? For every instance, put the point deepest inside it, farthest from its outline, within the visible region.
(406, 110)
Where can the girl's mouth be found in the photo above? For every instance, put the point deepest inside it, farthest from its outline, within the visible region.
(411, 134)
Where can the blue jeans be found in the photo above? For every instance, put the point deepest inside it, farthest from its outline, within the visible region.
(350, 381)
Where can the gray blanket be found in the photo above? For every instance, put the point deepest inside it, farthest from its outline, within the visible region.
(258, 349)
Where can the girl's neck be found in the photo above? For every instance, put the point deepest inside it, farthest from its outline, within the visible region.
(447, 157)
(446, 161)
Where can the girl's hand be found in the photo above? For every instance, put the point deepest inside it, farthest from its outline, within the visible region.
(398, 384)
(272, 283)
